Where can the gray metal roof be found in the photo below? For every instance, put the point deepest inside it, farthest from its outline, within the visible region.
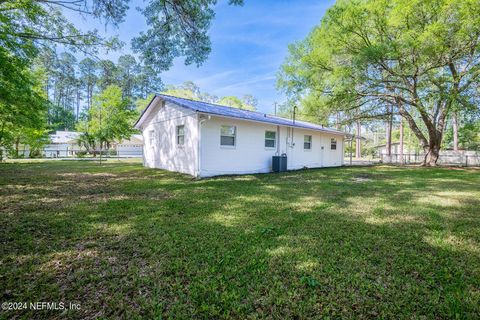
(224, 111)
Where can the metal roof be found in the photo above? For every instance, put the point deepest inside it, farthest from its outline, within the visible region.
(64, 136)
(224, 111)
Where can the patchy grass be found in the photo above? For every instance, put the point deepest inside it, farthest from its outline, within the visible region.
(129, 242)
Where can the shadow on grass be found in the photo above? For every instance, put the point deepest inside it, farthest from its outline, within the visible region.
(125, 241)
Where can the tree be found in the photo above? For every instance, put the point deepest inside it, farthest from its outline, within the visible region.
(110, 118)
(27, 26)
(32, 138)
(65, 83)
(127, 69)
(60, 118)
(108, 74)
(249, 102)
(27, 112)
(148, 81)
(88, 78)
(176, 28)
(141, 104)
(235, 102)
(187, 90)
(420, 57)
(231, 101)
(468, 132)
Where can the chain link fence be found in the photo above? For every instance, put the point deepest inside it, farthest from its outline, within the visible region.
(466, 159)
(49, 153)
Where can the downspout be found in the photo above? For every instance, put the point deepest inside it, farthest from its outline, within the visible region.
(294, 114)
(199, 144)
(278, 141)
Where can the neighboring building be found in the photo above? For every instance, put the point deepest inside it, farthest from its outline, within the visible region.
(203, 139)
(381, 149)
(132, 147)
(63, 144)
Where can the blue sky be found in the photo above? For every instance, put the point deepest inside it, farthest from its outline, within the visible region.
(249, 44)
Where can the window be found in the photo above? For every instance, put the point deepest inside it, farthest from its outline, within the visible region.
(228, 135)
(180, 135)
(333, 144)
(307, 142)
(151, 137)
(270, 139)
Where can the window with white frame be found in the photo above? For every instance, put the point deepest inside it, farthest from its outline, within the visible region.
(228, 136)
(151, 137)
(333, 144)
(270, 139)
(307, 142)
(180, 135)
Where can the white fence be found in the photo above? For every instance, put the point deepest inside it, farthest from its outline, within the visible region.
(80, 153)
(459, 158)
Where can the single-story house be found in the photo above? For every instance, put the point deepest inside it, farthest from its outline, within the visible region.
(203, 139)
(132, 147)
(63, 144)
(381, 149)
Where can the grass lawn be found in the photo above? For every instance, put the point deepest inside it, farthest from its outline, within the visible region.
(125, 241)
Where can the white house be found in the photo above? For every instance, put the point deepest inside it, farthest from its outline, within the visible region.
(132, 147)
(63, 144)
(203, 139)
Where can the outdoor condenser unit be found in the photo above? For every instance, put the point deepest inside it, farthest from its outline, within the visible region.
(279, 163)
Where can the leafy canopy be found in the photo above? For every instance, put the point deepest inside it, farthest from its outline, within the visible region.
(190, 90)
(176, 28)
(370, 58)
(110, 118)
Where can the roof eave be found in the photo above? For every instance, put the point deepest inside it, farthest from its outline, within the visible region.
(274, 124)
(141, 117)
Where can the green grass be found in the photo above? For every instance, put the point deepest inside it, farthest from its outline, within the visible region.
(126, 241)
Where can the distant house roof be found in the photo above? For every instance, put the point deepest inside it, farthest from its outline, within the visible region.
(64, 136)
(134, 139)
(224, 111)
(384, 145)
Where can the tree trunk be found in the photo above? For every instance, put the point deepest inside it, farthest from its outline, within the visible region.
(358, 150)
(455, 131)
(432, 143)
(17, 147)
(432, 153)
(432, 149)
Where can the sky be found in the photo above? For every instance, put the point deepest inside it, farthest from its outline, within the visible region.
(249, 43)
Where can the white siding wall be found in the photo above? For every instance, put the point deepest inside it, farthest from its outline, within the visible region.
(298, 157)
(164, 153)
(129, 150)
(250, 155)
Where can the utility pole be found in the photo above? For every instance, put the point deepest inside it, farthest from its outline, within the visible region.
(358, 150)
(101, 146)
(389, 134)
(351, 149)
(402, 162)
